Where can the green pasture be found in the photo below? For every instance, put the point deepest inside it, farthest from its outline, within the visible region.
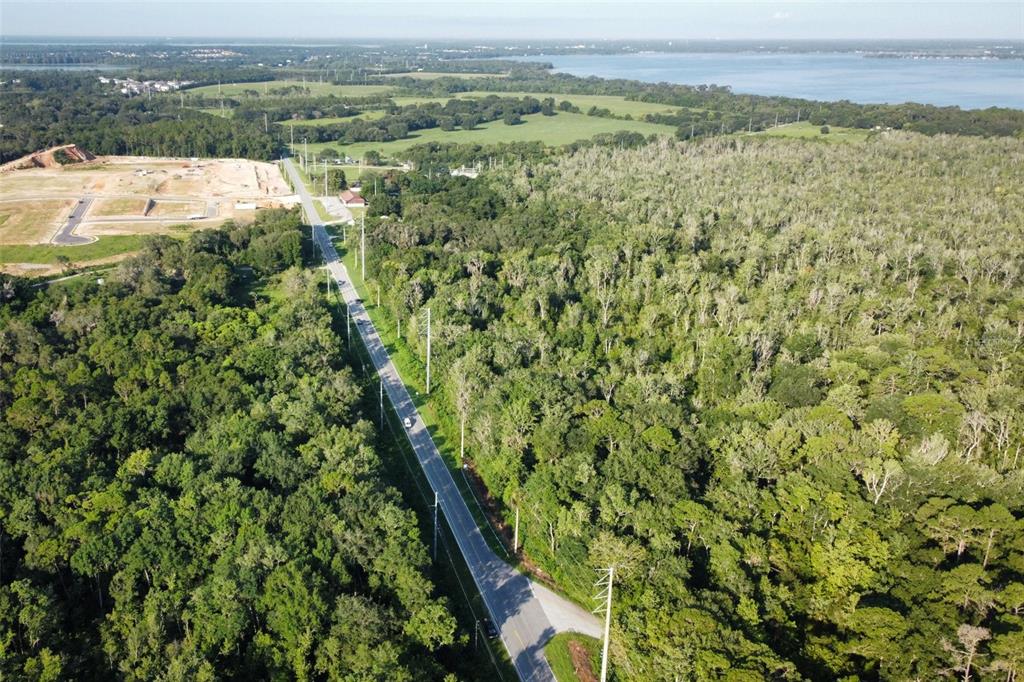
(805, 130)
(264, 88)
(563, 128)
(104, 247)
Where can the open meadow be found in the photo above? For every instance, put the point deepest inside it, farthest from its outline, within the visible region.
(287, 88)
(434, 75)
(805, 130)
(618, 106)
(563, 128)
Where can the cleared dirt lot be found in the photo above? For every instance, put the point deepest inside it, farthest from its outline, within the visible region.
(31, 222)
(133, 195)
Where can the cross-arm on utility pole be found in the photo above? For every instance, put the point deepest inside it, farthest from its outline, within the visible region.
(605, 595)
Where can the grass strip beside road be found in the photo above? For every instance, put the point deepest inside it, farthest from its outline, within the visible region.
(559, 651)
(104, 247)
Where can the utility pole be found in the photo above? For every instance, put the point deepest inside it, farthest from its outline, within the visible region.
(606, 584)
(348, 324)
(305, 152)
(515, 534)
(362, 247)
(291, 129)
(266, 123)
(435, 526)
(428, 351)
(328, 280)
(382, 403)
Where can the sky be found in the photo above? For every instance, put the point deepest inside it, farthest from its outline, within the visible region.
(515, 19)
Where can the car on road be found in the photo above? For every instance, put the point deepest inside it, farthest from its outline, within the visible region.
(489, 629)
(408, 422)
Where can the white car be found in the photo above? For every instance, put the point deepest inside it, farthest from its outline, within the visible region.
(408, 422)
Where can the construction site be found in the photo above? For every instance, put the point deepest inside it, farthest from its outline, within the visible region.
(65, 196)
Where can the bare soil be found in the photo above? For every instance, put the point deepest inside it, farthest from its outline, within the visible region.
(505, 532)
(122, 186)
(581, 662)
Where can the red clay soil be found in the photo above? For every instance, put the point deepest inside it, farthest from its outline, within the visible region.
(45, 158)
(504, 531)
(581, 662)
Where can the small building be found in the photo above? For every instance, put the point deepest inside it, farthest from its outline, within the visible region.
(350, 199)
(464, 172)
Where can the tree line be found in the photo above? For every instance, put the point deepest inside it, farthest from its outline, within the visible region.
(54, 108)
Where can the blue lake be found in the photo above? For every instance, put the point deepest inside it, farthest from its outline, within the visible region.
(968, 83)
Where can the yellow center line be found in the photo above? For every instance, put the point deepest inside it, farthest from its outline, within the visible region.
(521, 642)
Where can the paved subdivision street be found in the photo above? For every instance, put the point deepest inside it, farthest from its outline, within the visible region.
(66, 235)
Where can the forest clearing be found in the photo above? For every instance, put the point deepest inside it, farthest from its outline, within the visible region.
(563, 128)
(122, 195)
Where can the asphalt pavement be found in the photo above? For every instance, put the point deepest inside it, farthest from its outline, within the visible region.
(65, 235)
(526, 615)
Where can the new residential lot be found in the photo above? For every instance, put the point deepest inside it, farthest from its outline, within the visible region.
(46, 211)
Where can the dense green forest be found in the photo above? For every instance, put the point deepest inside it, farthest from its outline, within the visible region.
(54, 108)
(187, 488)
(778, 384)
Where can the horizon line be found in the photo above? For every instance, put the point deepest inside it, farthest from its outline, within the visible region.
(502, 40)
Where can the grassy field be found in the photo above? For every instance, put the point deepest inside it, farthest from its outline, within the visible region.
(432, 75)
(619, 106)
(31, 221)
(560, 657)
(371, 115)
(264, 88)
(805, 130)
(47, 253)
(551, 130)
(406, 101)
(216, 111)
(118, 207)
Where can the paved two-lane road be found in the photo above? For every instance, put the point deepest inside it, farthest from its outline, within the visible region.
(527, 615)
